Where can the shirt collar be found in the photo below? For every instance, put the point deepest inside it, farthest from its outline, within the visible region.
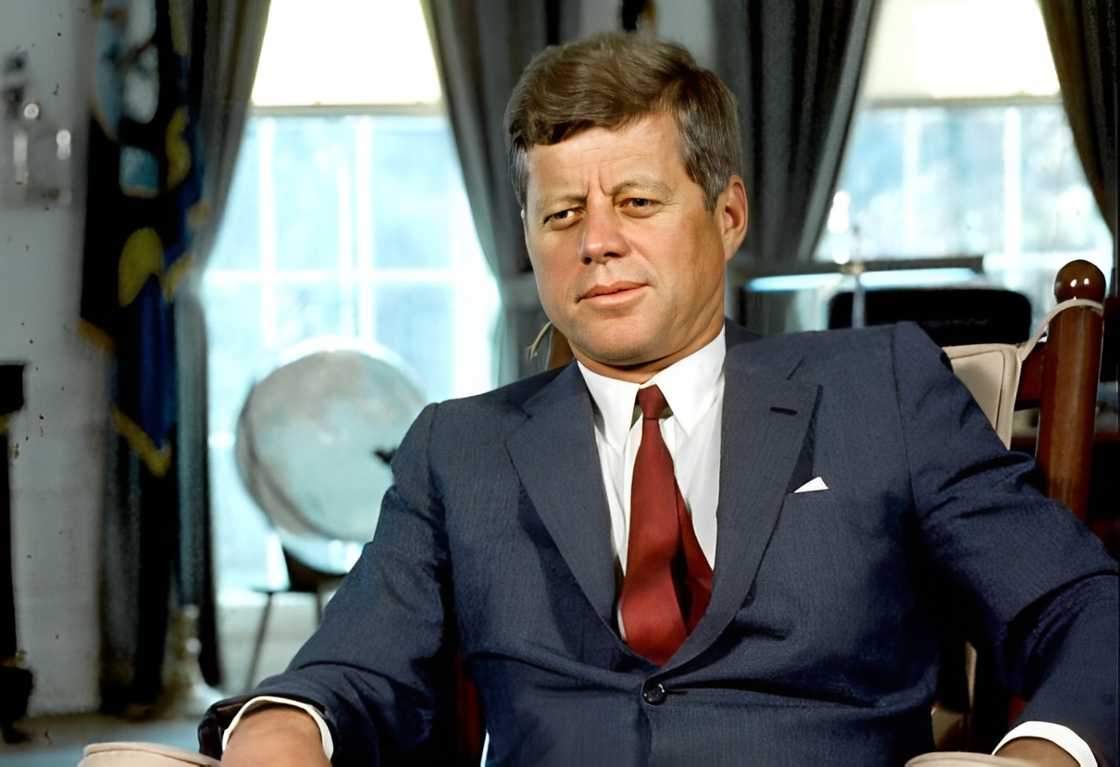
(690, 386)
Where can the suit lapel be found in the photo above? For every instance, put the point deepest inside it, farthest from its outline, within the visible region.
(556, 459)
(765, 418)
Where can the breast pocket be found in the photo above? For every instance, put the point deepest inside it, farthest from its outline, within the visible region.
(817, 560)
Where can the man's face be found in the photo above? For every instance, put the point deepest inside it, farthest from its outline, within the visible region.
(629, 264)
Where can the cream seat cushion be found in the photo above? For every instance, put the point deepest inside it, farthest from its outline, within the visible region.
(991, 374)
(991, 371)
(134, 754)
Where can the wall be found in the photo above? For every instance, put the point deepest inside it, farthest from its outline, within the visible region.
(58, 440)
(689, 22)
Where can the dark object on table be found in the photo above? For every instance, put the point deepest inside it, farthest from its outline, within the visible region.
(951, 316)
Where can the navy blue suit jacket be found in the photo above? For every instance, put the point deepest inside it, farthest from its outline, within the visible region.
(820, 644)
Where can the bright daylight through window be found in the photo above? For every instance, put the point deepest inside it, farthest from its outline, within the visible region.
(347, 219)
(965, 154)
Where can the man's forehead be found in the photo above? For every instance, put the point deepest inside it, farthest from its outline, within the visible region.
(641, 153)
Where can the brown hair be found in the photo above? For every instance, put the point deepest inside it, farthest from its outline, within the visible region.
(612, 80)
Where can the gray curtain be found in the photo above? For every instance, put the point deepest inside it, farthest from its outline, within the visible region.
(481, 47)
(795, 68)
(227, 38)
(229, 35)
(1083, 42)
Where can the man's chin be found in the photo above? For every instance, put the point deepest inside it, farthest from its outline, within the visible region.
(620, 356)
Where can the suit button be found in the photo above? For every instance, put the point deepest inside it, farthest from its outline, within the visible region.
(654, 693)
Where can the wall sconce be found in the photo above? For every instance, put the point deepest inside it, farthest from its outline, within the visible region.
(34, 152)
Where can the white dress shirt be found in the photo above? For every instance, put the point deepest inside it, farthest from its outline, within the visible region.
(693, 389)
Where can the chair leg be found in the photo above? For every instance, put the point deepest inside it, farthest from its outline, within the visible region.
(259, 643)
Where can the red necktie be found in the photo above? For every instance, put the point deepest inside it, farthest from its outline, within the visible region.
(668, 580)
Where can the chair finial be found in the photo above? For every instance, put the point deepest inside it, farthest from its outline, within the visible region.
(1079, 279)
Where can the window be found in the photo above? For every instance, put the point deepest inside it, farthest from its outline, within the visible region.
(347, 219)
(977, 178)
(961, 146)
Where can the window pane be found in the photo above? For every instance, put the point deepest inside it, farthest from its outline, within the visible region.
(237, 354)
(1059, 211)
(959, 186)
(874, 181)
(242, 541)
(312, 182)
(415, 321)
(237, 357)
(415, 176)
(305, 311)
(238, 245)
(933, 181)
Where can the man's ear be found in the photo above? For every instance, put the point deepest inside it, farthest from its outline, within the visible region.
(731, 208)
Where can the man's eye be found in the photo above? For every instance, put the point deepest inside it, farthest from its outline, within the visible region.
(639, 203)
(560, 216)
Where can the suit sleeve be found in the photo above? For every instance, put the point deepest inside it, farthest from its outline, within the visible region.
(1036, 587)
(376, 665)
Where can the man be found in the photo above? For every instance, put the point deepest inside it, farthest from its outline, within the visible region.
(693, 546)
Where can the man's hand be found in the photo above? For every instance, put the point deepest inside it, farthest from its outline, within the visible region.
(1037, 751)
(276, 736)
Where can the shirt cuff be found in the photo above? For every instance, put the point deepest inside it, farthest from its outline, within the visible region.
(1061, 736)
(324, 731)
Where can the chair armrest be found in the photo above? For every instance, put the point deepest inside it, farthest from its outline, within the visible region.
(126, 754)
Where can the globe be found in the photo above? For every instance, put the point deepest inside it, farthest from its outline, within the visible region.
(314, 442)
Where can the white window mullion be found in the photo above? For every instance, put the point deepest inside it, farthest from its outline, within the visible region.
(344, 275)
(1012, 181)
(267, 206)
(363, 195)
(911, 178)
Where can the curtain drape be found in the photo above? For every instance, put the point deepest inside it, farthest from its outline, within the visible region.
(795, 68)
(164, 130)
(481, 47)
(226, 41)
(1082, 38)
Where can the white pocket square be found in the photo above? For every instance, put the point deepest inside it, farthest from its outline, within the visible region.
(816, 484)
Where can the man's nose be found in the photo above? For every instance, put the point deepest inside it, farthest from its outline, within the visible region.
(602, 234)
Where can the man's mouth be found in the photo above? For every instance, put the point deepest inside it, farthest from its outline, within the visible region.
(611, 289)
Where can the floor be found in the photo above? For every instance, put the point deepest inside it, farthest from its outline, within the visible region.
(57, 741)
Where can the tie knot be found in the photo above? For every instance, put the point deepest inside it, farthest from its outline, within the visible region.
(652, 403)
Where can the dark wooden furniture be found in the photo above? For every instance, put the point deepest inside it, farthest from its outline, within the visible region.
(1060, 379)
(15, 681)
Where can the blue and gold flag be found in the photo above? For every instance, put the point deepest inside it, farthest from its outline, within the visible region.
(143, 207)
